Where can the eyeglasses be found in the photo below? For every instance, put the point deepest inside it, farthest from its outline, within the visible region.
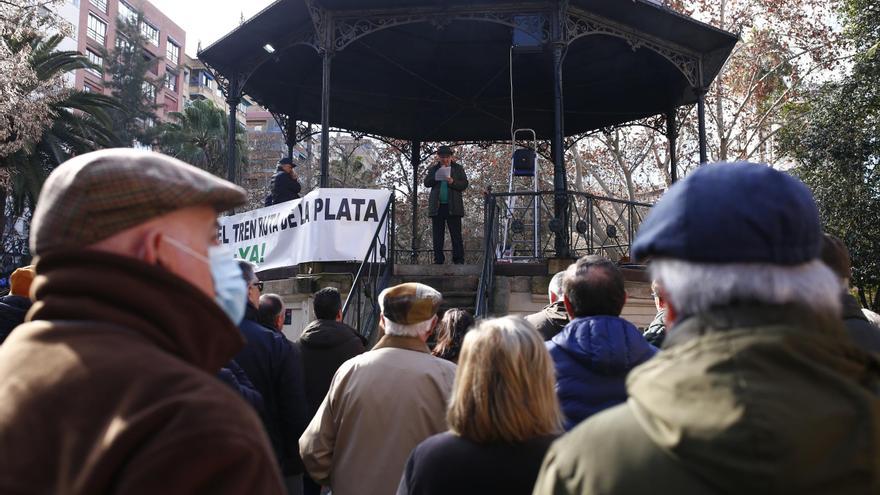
(258, 285)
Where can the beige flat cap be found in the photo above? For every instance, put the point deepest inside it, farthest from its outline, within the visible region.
(93, 196)
(410, 303)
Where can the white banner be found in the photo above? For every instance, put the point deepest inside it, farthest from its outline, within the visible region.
(324, 225)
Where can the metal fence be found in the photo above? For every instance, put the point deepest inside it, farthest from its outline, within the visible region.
(591, 225)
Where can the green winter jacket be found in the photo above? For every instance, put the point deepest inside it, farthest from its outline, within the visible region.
(749, 400)
(459, 184)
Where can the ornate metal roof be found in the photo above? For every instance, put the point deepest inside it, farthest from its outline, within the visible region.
(437, 70)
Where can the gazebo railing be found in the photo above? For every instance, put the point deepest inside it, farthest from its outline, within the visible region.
(595, 225)
(361, 308)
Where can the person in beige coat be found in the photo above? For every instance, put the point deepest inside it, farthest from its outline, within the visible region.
(383, 403)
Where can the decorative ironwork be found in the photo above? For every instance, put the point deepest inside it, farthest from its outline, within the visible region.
(321, 21)
(348, 29)
(580, 23)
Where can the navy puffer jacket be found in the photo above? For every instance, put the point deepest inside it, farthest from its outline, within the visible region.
(593, 355)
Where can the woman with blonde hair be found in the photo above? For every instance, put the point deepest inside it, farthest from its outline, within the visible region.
(503, 415)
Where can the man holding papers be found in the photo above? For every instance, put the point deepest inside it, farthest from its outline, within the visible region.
(447, 181)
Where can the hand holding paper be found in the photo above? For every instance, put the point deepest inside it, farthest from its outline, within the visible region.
(442, 174)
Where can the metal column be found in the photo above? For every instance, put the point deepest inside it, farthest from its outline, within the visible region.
(560, 182)
(672, 137)
(415, 160)
(701, 119)
(290, 138)
(233, 98)
(325, 119)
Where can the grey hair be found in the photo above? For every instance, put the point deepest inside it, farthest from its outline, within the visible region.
(693, 288)
(555, 286)
(414, 330)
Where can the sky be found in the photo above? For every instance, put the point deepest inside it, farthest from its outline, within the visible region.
(208, 20)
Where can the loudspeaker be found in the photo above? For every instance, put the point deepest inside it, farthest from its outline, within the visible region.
(524, 160)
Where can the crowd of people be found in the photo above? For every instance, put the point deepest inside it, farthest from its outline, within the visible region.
(151, 361)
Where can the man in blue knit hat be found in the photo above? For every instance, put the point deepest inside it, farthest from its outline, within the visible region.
(757, 389)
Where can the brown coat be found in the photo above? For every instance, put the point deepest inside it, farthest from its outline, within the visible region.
(381, 404)
(110, 388)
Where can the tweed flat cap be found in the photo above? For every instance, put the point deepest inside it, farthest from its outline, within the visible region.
(94, 196)
(409, 303)
(733, 213)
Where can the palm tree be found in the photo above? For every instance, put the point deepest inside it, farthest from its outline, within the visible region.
(198, 136)
(79, 123)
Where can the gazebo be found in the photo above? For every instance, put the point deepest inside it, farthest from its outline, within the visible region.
(458, 70)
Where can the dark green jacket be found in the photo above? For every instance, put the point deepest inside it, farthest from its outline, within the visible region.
(750, 400)
(459, 184)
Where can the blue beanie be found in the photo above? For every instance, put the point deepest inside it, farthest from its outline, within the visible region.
(733, 213)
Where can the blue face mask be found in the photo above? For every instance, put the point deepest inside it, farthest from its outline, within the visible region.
(230, 288)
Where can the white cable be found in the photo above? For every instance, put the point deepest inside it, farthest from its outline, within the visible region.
(510, 76)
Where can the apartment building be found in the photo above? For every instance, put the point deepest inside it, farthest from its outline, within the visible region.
(201, 85)
(166, 42)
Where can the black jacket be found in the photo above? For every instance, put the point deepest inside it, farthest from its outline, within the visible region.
(284, 187)
(274, 366)
(325, 345)
(447, 463)
(12, 312)
(864, 333)
(459, 184)
(550, 320)
(235, 377)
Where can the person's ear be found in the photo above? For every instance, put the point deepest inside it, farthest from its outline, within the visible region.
(568, 308)
(279, 321)
(152, 249)
(339, 315)
(671, 313)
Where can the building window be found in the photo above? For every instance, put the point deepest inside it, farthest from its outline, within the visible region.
(171, 81)
(149, 91)
(203, 79)
(101, 4)
(172, 52)
(151, 33)
(97, 60)
(97, 29)
(127, 13)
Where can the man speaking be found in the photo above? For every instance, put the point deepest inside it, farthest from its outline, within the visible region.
(447, 181)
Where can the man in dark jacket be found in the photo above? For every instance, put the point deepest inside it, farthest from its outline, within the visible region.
(594, 353)
(553, 318)
(16, 304)
(285, 183)
(271, 311)
(758, 389)
(325, 344)
(274, 366)
(864, 333)
(447, 181)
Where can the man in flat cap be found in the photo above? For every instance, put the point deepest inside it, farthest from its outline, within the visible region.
(447, 181)
(110, 387)
(285, 183)
(382, 403)
(757, 389)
